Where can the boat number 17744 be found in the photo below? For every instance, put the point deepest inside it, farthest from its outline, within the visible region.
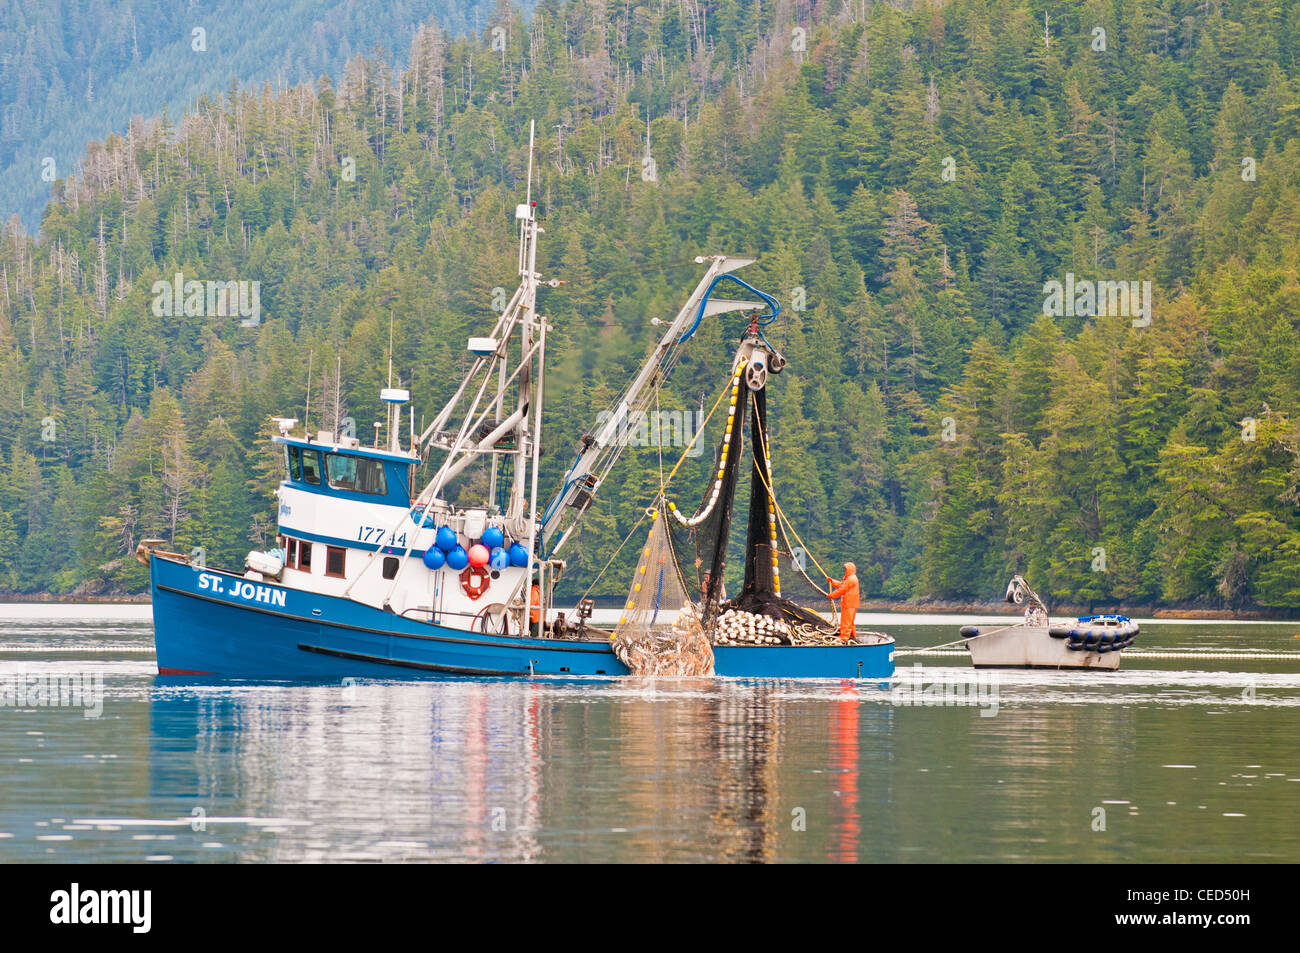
(375, 534)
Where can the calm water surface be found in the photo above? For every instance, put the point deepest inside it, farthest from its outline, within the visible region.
(1178, 760)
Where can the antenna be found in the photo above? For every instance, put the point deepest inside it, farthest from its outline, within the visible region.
(338, 394)
(393, 429)
(306, 411)
(532, 129)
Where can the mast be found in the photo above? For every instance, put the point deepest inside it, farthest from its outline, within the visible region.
(491, 371)
(530, 282)
(482, 396)
(494, 354)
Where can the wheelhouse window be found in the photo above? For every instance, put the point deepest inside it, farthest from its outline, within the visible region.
(304, 555)
(356, 474)
(334, 560)
(311, 466)
(291, 553)
(303, 464)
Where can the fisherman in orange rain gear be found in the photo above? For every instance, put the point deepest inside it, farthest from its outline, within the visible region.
(535, 610)
(846, 590)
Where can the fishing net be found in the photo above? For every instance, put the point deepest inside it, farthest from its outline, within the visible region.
(775, 601)
(764, 613)
(710, 526)
(659, 632)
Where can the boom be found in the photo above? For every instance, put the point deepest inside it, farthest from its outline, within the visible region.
(600, 450)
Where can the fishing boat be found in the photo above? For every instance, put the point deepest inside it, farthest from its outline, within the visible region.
(1087, 642)
(371, 578)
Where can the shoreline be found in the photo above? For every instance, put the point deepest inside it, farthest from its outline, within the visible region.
(928, 607)
(19, 598)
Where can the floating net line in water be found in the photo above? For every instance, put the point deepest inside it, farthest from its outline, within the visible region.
(659, 632)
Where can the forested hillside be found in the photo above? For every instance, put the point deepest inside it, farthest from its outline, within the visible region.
(912, 181)
(71, 73)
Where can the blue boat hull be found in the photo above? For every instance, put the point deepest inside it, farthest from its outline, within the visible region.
(214, 623)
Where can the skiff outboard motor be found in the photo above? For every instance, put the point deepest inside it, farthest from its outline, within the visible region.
(1016, 591)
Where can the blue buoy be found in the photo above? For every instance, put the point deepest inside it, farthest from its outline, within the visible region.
(434, 558)
(493, 537)
(457, 558)
(518, 554)
(499, 558)
(446, 539)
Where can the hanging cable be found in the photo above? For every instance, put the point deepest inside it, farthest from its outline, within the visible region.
(602, 572)
(763, 320)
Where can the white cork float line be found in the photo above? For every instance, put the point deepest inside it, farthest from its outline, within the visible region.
(701, 516)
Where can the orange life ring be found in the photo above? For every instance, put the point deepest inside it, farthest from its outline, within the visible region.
(475, 581)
